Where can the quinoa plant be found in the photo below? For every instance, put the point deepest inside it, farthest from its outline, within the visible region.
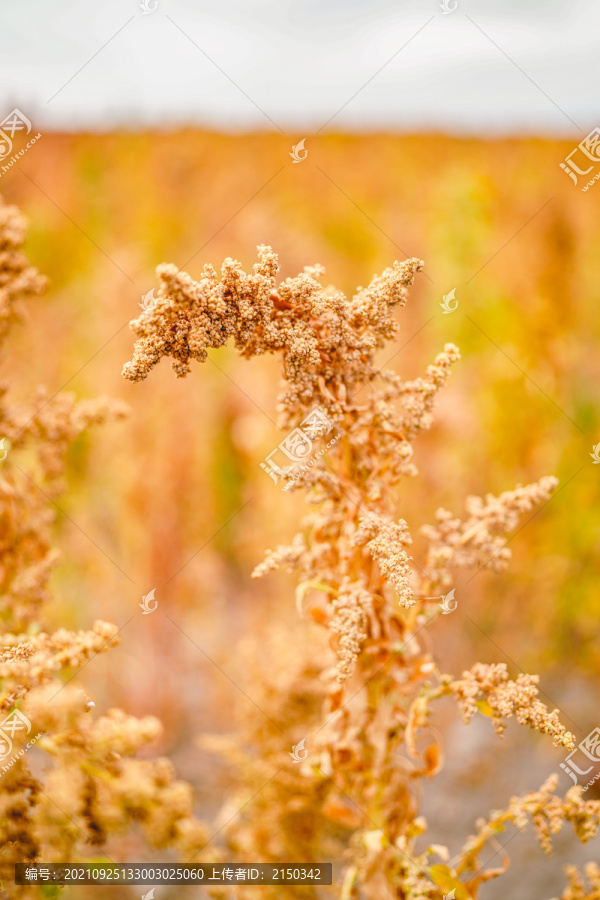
(361, 704)
(88, 786)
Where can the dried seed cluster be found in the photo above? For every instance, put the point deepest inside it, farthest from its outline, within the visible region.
(508, 698)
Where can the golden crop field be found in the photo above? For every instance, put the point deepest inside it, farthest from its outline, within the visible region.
(172, 497)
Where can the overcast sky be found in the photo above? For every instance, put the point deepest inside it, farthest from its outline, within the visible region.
(487, 67)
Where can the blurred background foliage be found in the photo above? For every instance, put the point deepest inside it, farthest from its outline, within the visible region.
(174, 498)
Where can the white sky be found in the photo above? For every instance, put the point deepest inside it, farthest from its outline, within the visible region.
(489, 67)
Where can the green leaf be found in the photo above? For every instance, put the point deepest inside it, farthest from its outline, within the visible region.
(484, 707)
(444, 878)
